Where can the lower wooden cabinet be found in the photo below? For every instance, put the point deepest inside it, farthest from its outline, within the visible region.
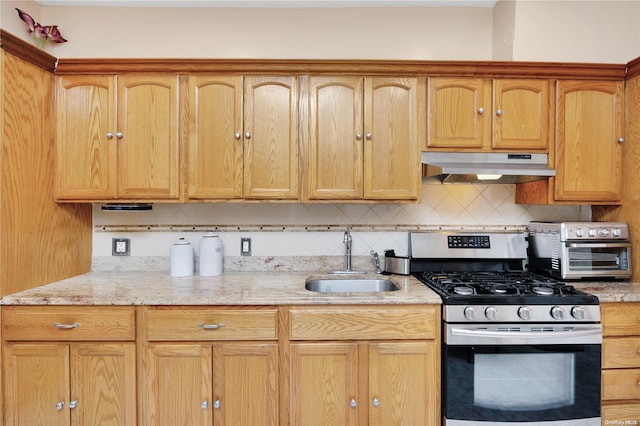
(341, 375)
(621, 363)
(210, 366)
(69, 366)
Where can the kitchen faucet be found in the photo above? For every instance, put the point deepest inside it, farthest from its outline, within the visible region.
(347, 240)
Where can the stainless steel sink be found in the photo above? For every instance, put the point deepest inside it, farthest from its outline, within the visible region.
(344, 285)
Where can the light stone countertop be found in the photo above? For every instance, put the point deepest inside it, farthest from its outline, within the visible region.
(611, 291)
(230, 288)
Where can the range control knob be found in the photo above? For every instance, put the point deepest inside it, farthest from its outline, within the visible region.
(490, 313)
(524, 313)
(578, 312)
(557, 313)
(470, 313)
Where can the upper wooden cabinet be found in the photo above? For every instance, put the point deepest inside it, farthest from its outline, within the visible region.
(475, 114)
(365, 137)
(588, 150)
(117, 137)
(243, 137)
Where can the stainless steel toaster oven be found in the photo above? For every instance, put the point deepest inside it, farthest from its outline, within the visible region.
(580, 250)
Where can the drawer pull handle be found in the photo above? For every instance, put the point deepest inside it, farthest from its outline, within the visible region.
(66, 326)
(211, 326)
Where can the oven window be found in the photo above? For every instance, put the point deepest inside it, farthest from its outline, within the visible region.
(518, 382)
(598, 259)
(521, 383)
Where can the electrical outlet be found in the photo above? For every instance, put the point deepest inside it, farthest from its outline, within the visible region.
(120, 247)
(245, 246)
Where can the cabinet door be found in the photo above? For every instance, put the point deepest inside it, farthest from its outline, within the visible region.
(324, 384)
(85, 154)
(335, 137)
(148, 150)
(36, 378)
(456, 113)
(392, 168)
(103, 383)
(588, 154)
(215, 137)
(178, 389)
(245, 384)
(404, 384)
(521, 114)
(271, 153)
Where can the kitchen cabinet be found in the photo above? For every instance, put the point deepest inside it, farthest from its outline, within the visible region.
(620, 363)
(206, 366)
(117, 137)
(364, 365)
(365, 137)
(69, 365)
(474, 114)
(588, 150)
(243, 137)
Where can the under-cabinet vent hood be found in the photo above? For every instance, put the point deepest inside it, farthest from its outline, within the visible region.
(485, 168)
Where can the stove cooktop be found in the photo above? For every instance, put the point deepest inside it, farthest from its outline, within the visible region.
(503, 288)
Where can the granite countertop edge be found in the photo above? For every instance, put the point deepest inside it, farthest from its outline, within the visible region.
(256, 288)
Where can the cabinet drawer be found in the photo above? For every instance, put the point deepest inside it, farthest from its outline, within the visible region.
(68, 323)
(363, 323)
(620, 319)
(621, 414)
(175, 323)
(621, 384)
(621, 352)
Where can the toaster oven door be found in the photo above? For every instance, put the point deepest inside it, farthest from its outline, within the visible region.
(597, 260)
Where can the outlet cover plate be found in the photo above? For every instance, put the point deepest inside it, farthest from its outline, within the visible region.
(120, 247)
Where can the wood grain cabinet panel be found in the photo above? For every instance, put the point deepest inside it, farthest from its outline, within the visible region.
(117, 137)
(81, 372)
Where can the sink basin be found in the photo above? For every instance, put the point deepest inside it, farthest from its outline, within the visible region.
(343, 285)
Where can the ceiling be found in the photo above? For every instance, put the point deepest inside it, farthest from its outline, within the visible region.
(271, 3)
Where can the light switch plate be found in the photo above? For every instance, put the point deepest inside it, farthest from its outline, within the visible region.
(120, 247)
(245, 246)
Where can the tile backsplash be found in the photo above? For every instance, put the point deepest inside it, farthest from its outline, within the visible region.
(279, 230)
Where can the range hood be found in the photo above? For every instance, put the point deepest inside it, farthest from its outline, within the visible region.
(485, 168)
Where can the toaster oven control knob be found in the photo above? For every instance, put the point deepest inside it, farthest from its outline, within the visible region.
(470, 313)
(524, 313)
(557, 313)
(579, 232)
(490, 313)
(577, 312)
(603, 233)
(593, 232)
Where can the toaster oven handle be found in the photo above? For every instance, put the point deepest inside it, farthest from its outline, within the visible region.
(597, 245)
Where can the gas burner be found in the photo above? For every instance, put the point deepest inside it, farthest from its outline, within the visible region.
(543, 291)
(464, 290)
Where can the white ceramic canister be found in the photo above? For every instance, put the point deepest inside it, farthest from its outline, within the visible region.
(210, 255)
(181, 258)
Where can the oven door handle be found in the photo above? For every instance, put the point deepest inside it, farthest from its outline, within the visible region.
(597, 245)
(474, 336)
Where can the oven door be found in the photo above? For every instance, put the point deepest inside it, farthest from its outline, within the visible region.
(533, 375)
(596, 260)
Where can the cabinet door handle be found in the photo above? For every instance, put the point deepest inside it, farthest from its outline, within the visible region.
(358, 136)
(376, 402)
(499, 112)
(60, 405)
(237, 135)
(368, 136)
(73, 404)
(211, 326)
(353, 403)
(119, 135)
(480, 110)
(204, 405)
(216, 404)
(66, 326)
(620, 140)
(109, 135)
(247, 135)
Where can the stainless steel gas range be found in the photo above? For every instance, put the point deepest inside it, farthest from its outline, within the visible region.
(518, 348)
